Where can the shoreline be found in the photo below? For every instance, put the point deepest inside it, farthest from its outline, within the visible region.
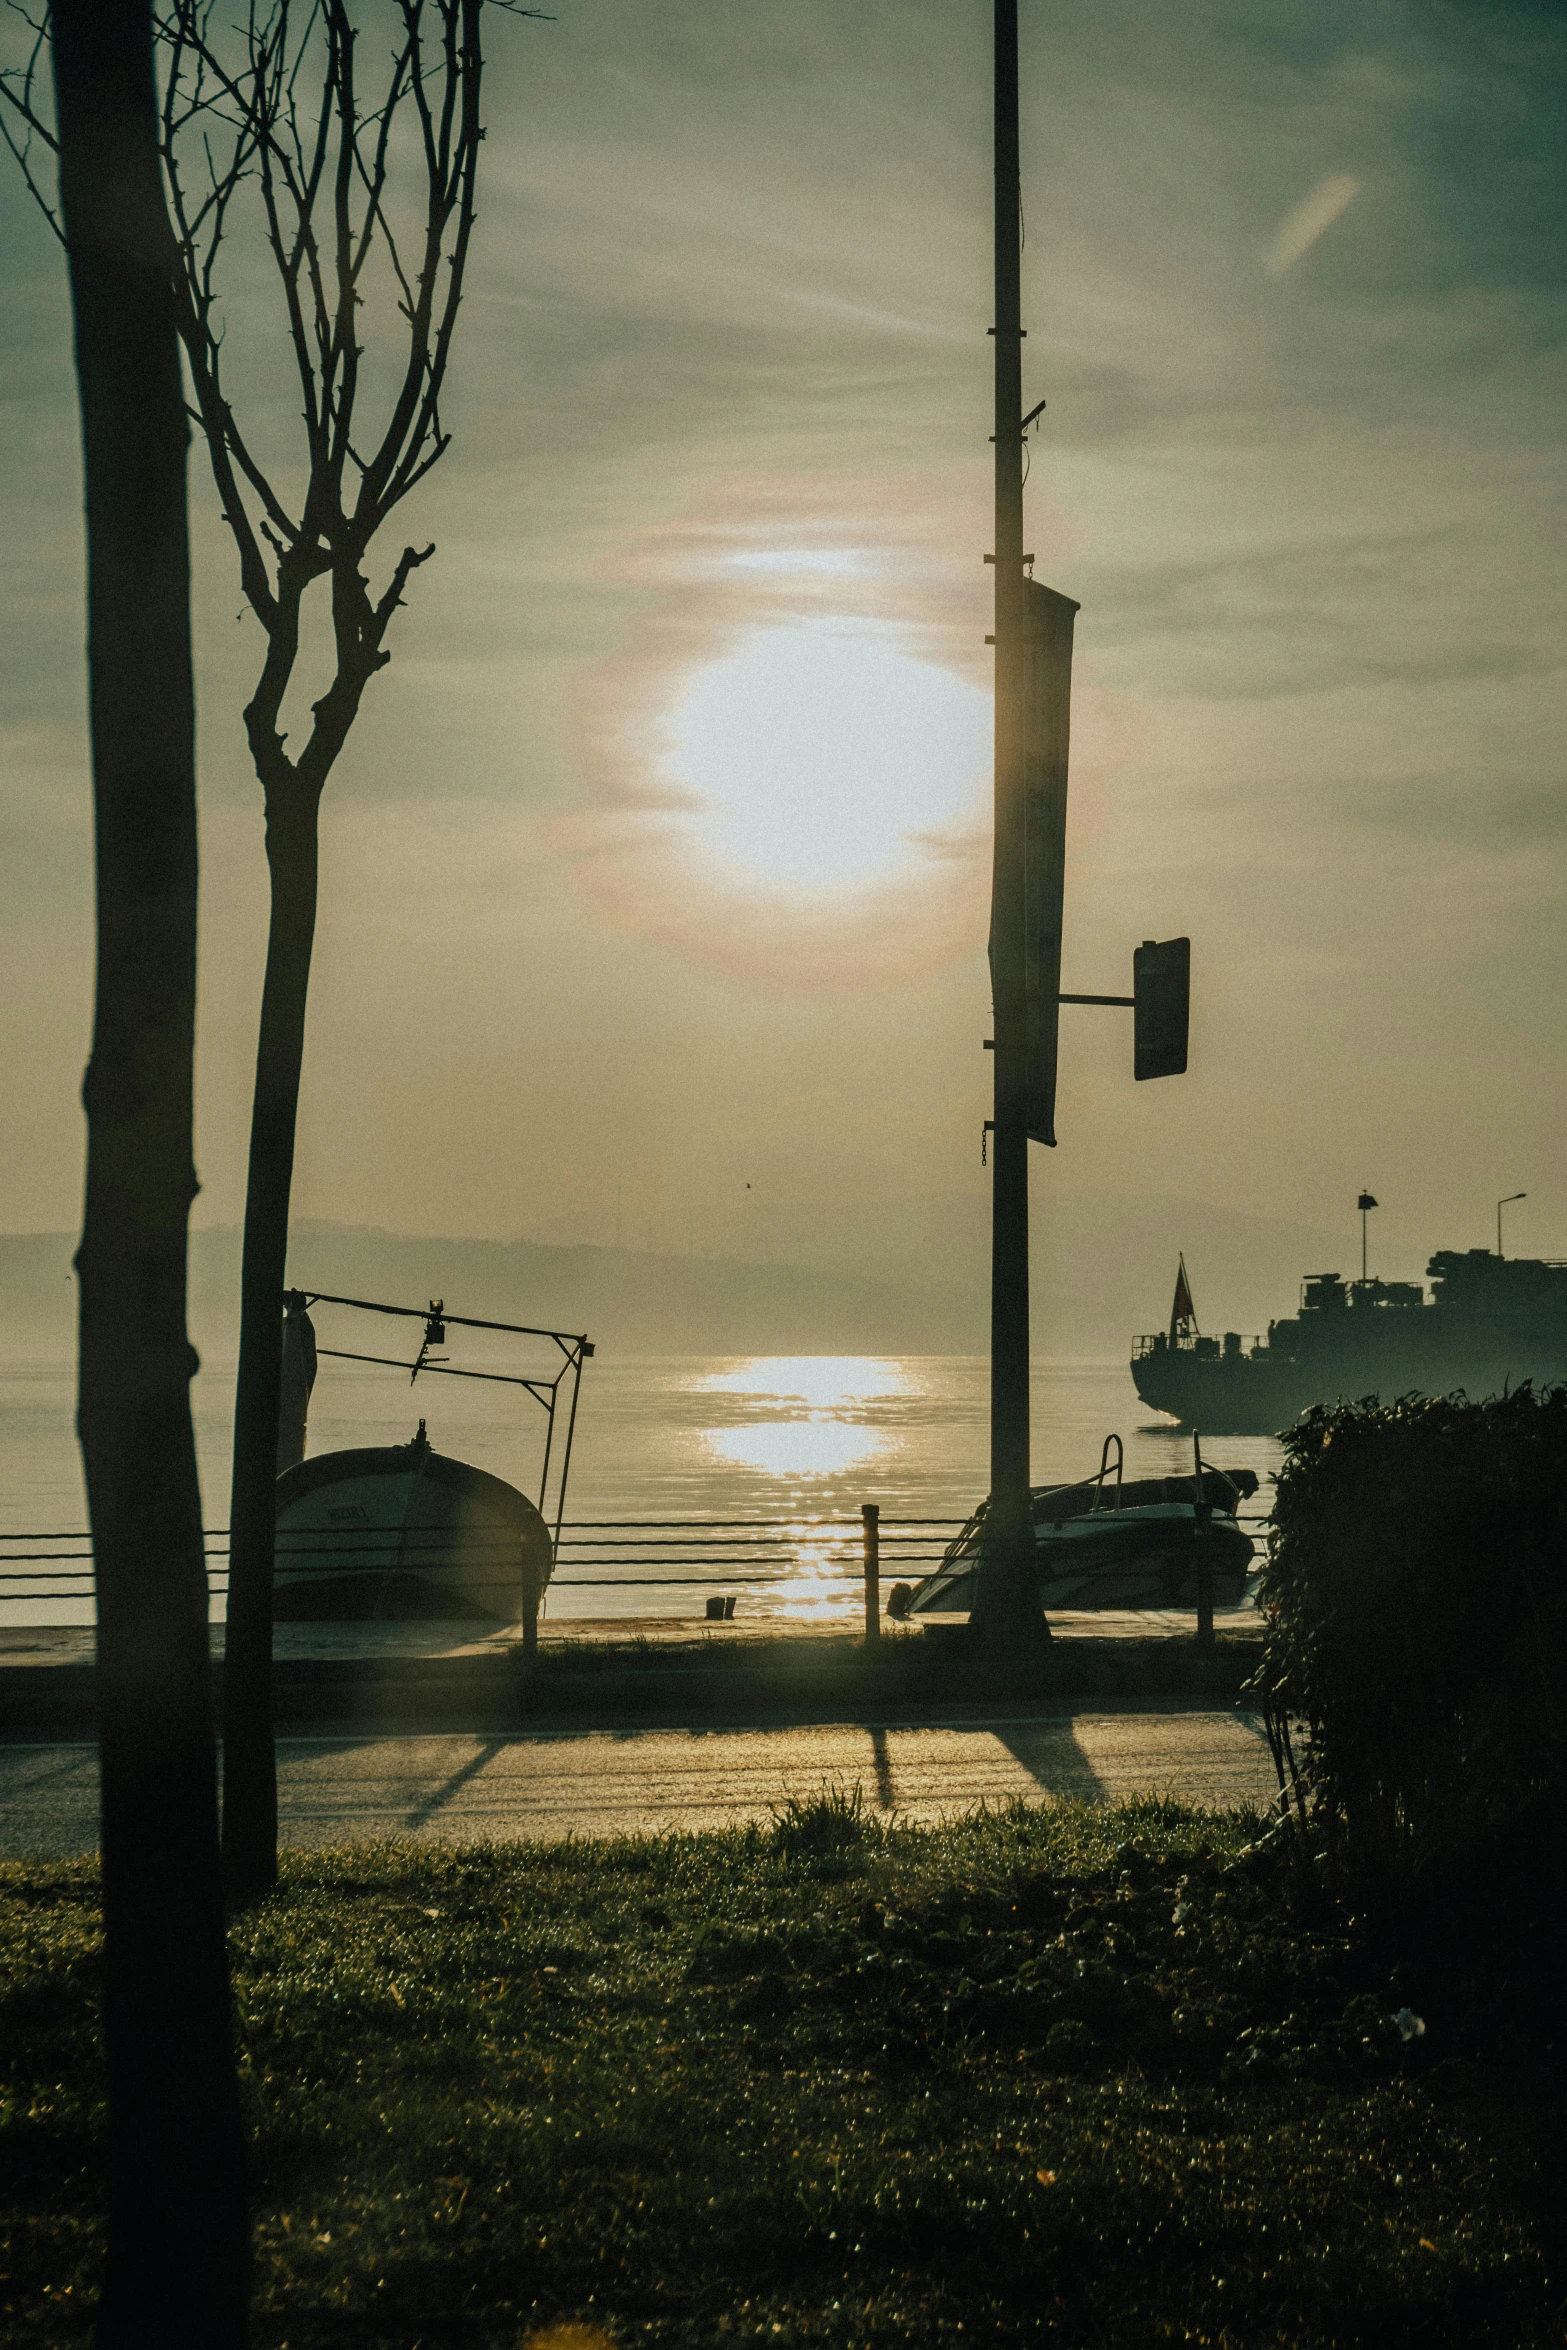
(688, 1674)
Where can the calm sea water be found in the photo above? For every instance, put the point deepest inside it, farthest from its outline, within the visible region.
(689, 1436)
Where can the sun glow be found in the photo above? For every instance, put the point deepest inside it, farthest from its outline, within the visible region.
(821, 750)
(802, 563)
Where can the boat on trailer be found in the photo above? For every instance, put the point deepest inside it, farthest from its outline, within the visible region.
(401, 1532)
(1137, 1543)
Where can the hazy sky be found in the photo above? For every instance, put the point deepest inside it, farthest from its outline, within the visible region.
(655, 867)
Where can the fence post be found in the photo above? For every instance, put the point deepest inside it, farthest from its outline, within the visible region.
(1204, 1515)
(1204, 1587)
(871, 1514)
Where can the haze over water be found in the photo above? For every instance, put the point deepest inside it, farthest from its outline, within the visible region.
(673, 1437)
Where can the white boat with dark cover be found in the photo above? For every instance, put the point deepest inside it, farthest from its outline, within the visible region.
(1131, 1544)
(399, 1530)
(395, 1532)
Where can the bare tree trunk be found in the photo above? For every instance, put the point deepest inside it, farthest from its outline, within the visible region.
(178, 2263)
(249, 1767)
(277, 99)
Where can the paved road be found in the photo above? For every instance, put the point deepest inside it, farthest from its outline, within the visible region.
(605, 1783)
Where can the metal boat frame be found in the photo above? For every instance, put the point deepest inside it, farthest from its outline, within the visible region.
(574, 1347)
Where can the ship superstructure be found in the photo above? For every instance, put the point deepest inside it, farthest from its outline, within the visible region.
(1490, 1322)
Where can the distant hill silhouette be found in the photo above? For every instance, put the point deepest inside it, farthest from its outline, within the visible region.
(1103, 1270)
(630, 1302)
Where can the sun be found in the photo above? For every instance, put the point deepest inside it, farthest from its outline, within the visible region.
(822, 754)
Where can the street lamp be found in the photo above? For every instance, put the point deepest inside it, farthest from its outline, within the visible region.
(1365, 1204)
(1505, 1203)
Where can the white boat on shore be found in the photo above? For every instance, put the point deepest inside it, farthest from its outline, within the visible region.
(399, 1531)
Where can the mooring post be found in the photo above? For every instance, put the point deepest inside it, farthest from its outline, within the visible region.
(1204, 1582)
(870, 1513)
(1204, 1516)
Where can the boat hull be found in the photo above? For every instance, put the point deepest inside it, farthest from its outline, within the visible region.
(1142, 1549)
(398, 1532)
(1262, 1393)
(1223, 1398)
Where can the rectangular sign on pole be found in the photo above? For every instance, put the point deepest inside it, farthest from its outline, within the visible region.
(1046, 716)
(1162, 994)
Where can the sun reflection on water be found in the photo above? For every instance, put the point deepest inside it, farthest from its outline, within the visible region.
(802, 1422)
(796, 1448)
(821, 1383)
(802, 1416)
(821, 1591)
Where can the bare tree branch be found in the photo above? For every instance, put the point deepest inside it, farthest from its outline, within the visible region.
(350, 171)
(18, 105)
(274, 107)
(362, 186)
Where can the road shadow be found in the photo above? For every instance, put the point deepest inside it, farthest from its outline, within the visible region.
(881, 1763)
(425, 1810)
(1053, 1759)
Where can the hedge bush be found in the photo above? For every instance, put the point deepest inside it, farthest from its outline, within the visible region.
(1416, 1608)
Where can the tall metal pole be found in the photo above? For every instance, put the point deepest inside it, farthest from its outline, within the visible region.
(1006, 1607)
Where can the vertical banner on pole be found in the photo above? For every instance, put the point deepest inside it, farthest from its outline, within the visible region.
(1046, 716)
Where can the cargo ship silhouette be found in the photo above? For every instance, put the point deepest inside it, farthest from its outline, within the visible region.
(1490, 1322)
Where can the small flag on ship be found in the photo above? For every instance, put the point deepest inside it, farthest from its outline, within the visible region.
(1183, 1314)
(1365, 1201)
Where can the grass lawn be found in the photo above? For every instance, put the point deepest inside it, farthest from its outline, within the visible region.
(1049, 2075)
